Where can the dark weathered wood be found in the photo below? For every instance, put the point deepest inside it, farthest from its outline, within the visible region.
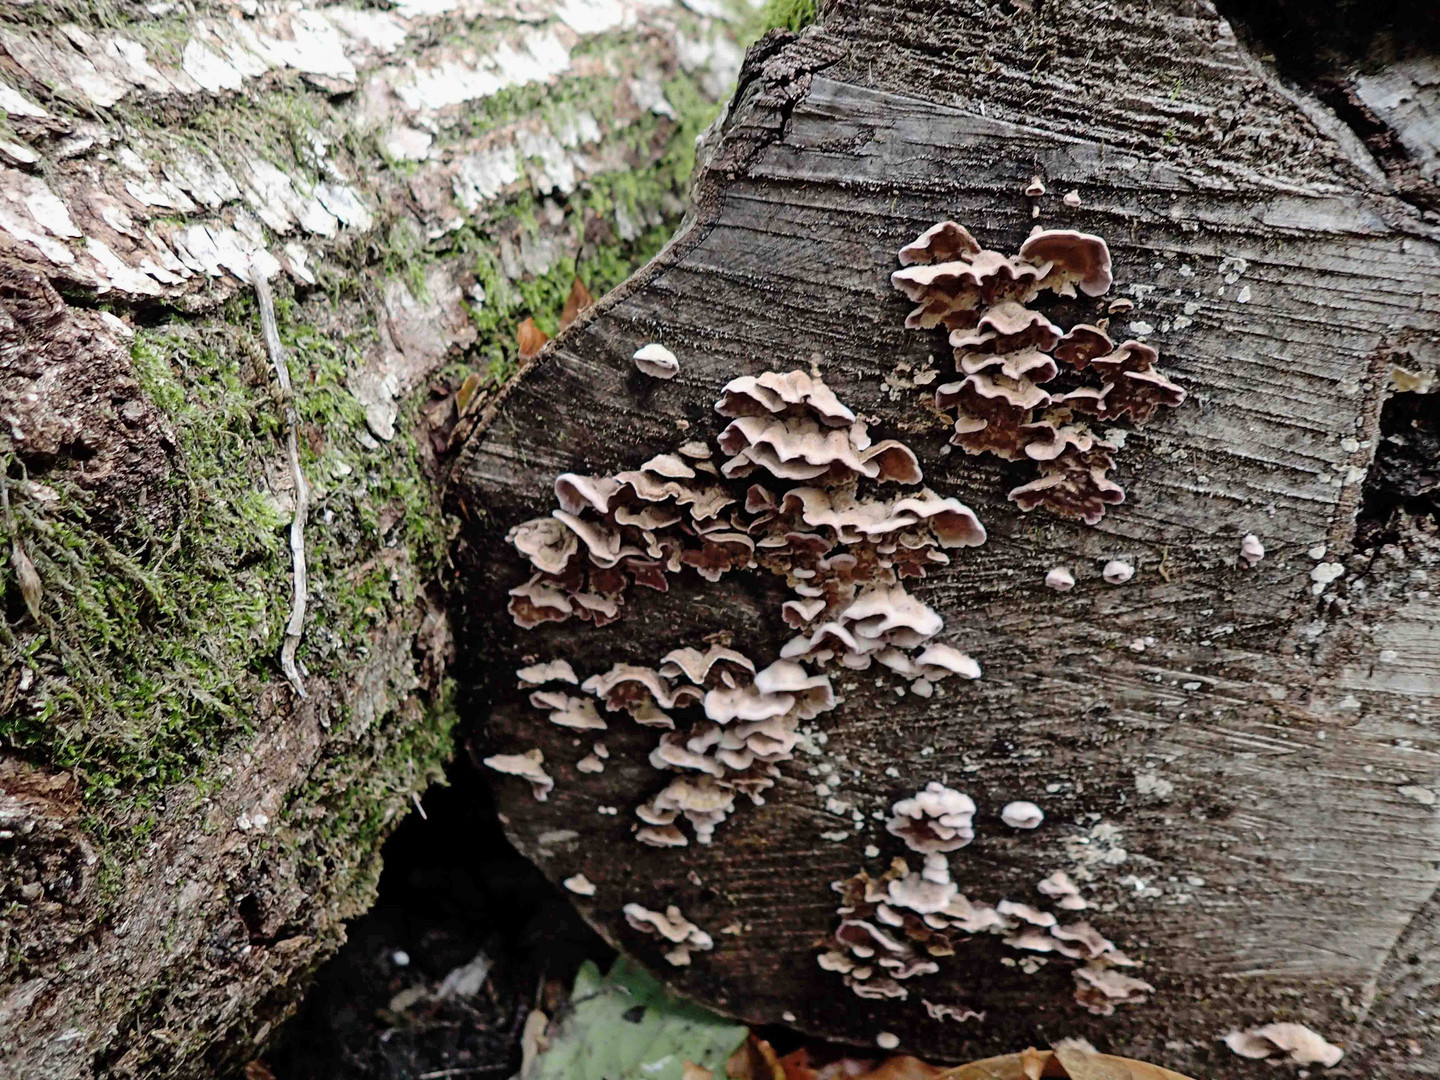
(1252, 756)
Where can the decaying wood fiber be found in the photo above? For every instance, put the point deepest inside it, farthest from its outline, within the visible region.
(404, 171)
(1240, 763)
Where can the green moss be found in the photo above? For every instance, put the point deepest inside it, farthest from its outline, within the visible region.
(793, 15)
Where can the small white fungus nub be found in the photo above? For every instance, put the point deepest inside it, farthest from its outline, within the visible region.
(1118, 571)
(1072, 198)
(1060, 579)
(1251, 549)
(580, 885)
(1022, 815)
(656, 361)
(887, 1040)
(1035, 188)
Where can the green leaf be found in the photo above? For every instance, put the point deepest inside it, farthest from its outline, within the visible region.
(626, 1026)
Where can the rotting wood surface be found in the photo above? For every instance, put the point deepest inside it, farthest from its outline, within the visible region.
(1257, 749)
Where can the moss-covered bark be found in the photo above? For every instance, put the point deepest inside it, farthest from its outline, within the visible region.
(183, 837)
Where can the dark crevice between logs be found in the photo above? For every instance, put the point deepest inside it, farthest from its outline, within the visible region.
(452, 888)
(1405, 476)
(1322, 47)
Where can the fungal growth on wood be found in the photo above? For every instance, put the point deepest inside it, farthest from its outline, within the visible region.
(672, 925)
(1011, 397)
(1295, 1041)
(904, 924)
(657, 361)
(795, 486)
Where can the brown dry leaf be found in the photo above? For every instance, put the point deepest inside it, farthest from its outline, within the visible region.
(696, 1072)
(903, 1067)
(755, 1060)
(28, 577)
(578, 300)
(1064, 1062)
(531, 339)
(258, 1070)
(468, 389)
(1082, 1065)
(796, 1065)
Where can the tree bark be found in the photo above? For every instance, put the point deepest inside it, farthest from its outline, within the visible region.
(1239, 763)
(181, 836)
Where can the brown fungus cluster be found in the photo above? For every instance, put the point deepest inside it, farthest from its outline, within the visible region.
(1026, 389)
(794, 485)
(905, 923)
(783, 495)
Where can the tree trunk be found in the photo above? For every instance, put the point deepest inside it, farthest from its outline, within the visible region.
(181, 836)
(1236, 764)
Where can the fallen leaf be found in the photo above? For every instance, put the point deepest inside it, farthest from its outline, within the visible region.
(466, 394)
(258, 1070)
(29, 579)
(755, 1060)
(1066, 1061)
(533, 1042)
(696, 1072)
(1033, 1062)
(531, 339)
(627, 1026)
(796, 1064)
(578, 300)
(903, 1067)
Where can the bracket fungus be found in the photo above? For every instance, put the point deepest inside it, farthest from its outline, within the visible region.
(1008, 353)
(1060, 579)
(1251, 549)
(1117, 572)
(1022, 815)
(673, 927)
(934, 820)
(530, 766)
(656, 361)
(903, 924)
(1297, 1042)
(799, 490)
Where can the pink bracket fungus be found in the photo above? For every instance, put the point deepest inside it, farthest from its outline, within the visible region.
(934, 820)
(656, 361)
(807, 518)
(1117, 572)
(1060, 579)
(1075, 259)
(539, 674)
(904, 924)
(951, 1012)
(568, 711)
(1006, 351)
(1022, 815)
(528, 765)
(1100, 988)
(673, 927)
(1071, 199)
(1063, 891)
(1297, 1042)
(944, 242)
(1251, 549)
(1035, 188)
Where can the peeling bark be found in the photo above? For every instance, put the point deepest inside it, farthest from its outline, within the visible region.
(1238, 763)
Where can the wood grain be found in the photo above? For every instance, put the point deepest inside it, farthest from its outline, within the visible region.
(1250, 755)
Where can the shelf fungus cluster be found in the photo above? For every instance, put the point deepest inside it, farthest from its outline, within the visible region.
(1025, 389)
(796, 487)
(905, 923)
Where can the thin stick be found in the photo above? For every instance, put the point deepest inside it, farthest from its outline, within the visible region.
(296, 624)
